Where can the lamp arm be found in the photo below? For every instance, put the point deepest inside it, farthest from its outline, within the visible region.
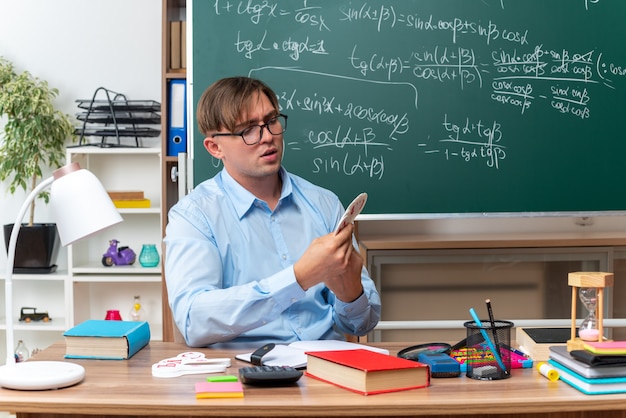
(8, 280)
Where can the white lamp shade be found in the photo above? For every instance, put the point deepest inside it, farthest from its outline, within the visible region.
(80, 204)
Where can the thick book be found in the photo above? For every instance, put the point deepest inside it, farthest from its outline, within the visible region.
(536, 342)
(126, 194)
(108, 340)
(294, 354)
(560, 355)
(599, 386)
(175, 38)
(367, 372)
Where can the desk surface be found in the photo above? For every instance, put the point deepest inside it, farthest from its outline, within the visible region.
(128, 388)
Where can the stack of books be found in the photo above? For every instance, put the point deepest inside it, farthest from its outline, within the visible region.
(600, 368)
(129, 199)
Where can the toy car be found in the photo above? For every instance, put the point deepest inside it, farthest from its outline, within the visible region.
(31, 314)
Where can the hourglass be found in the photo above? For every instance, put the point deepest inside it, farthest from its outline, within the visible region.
(589, 287)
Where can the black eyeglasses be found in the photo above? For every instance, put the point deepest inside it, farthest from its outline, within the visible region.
(253, 134)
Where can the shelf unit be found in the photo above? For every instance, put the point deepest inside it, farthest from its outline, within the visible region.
(86, 289)
(36, 290)
(173, 10)
(94, 288)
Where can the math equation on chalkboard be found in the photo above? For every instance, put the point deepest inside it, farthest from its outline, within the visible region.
(464, 105)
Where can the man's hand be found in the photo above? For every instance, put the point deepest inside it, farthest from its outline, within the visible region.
(329, 256)
(347, 286)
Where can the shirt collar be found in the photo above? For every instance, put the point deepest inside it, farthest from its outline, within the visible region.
(243, 200)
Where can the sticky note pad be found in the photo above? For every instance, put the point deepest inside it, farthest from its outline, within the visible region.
(606, 347)
(205, 390)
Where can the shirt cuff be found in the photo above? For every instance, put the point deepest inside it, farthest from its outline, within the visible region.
(355, 307)
(284, 288)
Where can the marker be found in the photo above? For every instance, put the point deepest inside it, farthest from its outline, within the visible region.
(496, 355)
(516, 351)
(493, 323)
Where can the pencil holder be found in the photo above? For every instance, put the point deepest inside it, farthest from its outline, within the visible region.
(488, 354)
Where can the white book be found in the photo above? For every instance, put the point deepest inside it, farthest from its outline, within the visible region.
(294, 354)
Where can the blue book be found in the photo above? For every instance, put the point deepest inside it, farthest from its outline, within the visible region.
(596, 386)
(108, 340)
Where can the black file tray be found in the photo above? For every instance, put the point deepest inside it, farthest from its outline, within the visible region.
(144, 118)
(114, 117)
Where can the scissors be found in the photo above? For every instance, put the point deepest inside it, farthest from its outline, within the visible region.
(189, 362)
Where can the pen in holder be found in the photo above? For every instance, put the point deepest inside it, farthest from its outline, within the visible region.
(485, 360)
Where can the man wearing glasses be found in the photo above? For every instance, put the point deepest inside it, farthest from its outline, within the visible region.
(251, 255)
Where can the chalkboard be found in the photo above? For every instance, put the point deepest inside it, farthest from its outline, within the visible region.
(435, 106)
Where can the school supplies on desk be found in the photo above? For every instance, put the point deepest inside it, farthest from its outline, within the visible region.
(484, 356)
(584, 368)
(598, 360)
(588, 386)
(549, 372)
(367, 372)
(490, 343)
(606, 347)
(207, 390)
(441, 364)
(108, 340)
(190, 362)
(536, 342)
(294, 354)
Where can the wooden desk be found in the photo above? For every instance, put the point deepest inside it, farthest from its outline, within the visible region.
(114, 388)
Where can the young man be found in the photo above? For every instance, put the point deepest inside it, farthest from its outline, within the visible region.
(251, 255)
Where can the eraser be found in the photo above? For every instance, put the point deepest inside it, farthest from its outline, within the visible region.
(484, 371)
(441, 365)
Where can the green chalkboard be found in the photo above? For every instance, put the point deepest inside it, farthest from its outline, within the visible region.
(435, 106)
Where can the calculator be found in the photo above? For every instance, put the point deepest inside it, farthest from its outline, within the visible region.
(269, 375)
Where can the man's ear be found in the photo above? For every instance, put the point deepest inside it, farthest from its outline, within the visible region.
(213, 148)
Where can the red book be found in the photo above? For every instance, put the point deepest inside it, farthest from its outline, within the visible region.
(367, 372)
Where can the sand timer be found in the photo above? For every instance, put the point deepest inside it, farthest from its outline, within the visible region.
(588, 329)
(589, 287)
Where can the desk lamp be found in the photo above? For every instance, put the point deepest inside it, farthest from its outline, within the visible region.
(80, 207)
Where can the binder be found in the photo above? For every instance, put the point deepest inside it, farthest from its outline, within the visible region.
(177, 127)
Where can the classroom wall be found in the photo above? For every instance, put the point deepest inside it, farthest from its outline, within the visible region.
(78, 46)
